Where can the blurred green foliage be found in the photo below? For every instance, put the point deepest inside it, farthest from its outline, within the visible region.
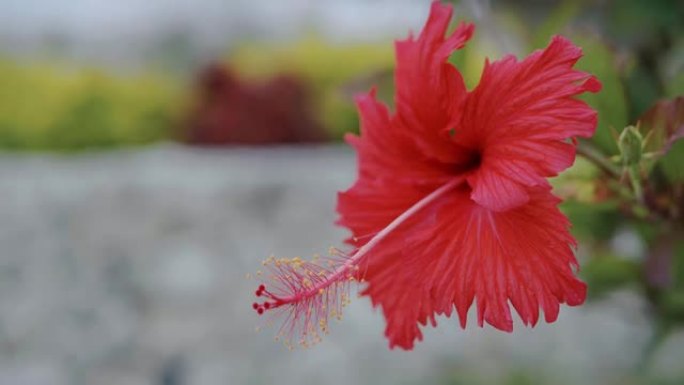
(634, 47)
(606, 272)
(673, 162)
(46, 107)
(673, 300)
(96, 109)
(611, 103)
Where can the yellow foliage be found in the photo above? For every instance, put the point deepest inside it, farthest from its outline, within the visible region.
(44, 106)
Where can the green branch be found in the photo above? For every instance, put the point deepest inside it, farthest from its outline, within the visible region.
(589, 152)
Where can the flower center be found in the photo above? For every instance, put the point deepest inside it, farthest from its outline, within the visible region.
(470, 162)
(474, 161)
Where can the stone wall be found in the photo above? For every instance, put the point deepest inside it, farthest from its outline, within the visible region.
(128, 268)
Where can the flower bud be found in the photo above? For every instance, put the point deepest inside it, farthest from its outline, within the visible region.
(630, 144)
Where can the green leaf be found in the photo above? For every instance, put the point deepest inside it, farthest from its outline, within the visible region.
(672, 69)
(594, 222)
(673, 304)
(610, 102)
(672, 163)
(605, 273)
(678, 265)
(556, 21)
(675, 85)
(642, 88)
(642, 22)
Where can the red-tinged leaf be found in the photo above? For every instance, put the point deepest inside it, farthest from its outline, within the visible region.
(663, 124)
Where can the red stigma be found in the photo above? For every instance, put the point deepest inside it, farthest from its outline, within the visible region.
(310, 292)
(260, 290)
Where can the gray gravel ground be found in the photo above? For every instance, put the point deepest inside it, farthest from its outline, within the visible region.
(128, 268)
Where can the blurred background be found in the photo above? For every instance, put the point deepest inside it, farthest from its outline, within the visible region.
(152, 153)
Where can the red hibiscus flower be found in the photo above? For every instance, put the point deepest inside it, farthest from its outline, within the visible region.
(452, 204)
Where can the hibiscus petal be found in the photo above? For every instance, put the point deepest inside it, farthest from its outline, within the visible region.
(385, 152)
(520, 116)
(442, 221)
(370, 205)
(456, 252)
(430, 91)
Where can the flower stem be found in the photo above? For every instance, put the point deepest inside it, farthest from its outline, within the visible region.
(343, 271)
(636, 183)
(593, 155)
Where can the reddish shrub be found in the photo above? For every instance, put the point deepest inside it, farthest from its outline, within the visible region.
(231, 110)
